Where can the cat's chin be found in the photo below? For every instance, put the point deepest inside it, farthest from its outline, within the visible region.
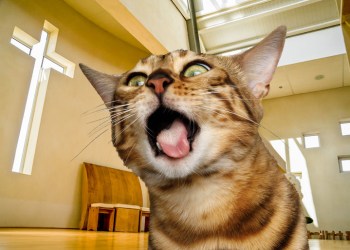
(172, 168)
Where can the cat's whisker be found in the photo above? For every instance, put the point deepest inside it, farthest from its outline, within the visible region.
(95, 138)
(105, 108)
(110, 109)
(241, 116)
(92, 109)
(146, 164)
(116, 114)
(99, 119)
(108, 123)
(113, 115)
(228, 99)
(256, 123)
(121, 119)
(97, 111)
(230, 112)
(196, 116)
(127, 157)
(99, 127)
(148, 131)
(236, 98)
(115, 136)
(209, 92)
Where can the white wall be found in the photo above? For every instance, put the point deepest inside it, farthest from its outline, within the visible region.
(289, 118)
(51, 196)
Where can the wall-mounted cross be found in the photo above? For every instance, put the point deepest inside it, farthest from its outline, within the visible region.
(45, 59)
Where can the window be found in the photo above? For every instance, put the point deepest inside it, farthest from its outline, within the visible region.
(344, 164)
(345, 128)
(311, 140)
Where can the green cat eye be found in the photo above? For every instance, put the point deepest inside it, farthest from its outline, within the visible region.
(196, 69)
(137, 81)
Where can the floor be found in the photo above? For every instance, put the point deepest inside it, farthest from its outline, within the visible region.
(64, 239)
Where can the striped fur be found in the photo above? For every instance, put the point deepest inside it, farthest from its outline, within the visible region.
(228, 192)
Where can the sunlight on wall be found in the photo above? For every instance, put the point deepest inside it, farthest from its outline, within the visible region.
(290, 151)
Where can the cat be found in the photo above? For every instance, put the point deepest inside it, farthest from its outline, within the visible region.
(187, 124)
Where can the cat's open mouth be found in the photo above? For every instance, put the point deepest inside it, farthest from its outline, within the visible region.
(171, 133)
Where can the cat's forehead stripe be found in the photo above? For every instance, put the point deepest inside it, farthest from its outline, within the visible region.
(175, 61)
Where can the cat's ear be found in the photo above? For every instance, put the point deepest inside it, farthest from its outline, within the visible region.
(103, 83)
(259, 63)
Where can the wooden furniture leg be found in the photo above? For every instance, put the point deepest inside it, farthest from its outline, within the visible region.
(146, 214)
(94, 216)
(347, 235)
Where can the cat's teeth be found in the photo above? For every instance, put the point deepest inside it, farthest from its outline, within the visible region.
(158, 146)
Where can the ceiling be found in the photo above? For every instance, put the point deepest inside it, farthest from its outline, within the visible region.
(231, 26)
(240, 23)
(316, 75)
(96, 14)
(228, 26)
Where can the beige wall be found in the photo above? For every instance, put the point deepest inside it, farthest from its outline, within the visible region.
(50, 197)
(321, 112)
(163, 20)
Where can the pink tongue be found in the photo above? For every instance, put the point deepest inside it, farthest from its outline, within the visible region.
(173, 141)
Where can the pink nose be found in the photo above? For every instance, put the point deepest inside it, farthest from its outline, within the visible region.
(159, 84)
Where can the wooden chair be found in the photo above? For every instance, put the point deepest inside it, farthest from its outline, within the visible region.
(347, 235)
(146, 213)
(106, 188)
(340, 235)
(310, 235)
(333, 235)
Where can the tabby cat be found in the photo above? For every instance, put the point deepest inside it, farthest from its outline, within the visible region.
(187, 124)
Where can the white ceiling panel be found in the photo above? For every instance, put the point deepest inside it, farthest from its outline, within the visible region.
(313, 45)
(302, 76)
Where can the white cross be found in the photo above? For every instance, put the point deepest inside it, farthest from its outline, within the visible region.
(45, 59)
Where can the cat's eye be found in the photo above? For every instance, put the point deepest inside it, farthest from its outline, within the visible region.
(137, 81)
(196, 69)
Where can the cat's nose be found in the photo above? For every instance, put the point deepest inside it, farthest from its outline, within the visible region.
(159, 83)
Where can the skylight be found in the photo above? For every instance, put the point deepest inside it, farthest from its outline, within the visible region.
(204, 7)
